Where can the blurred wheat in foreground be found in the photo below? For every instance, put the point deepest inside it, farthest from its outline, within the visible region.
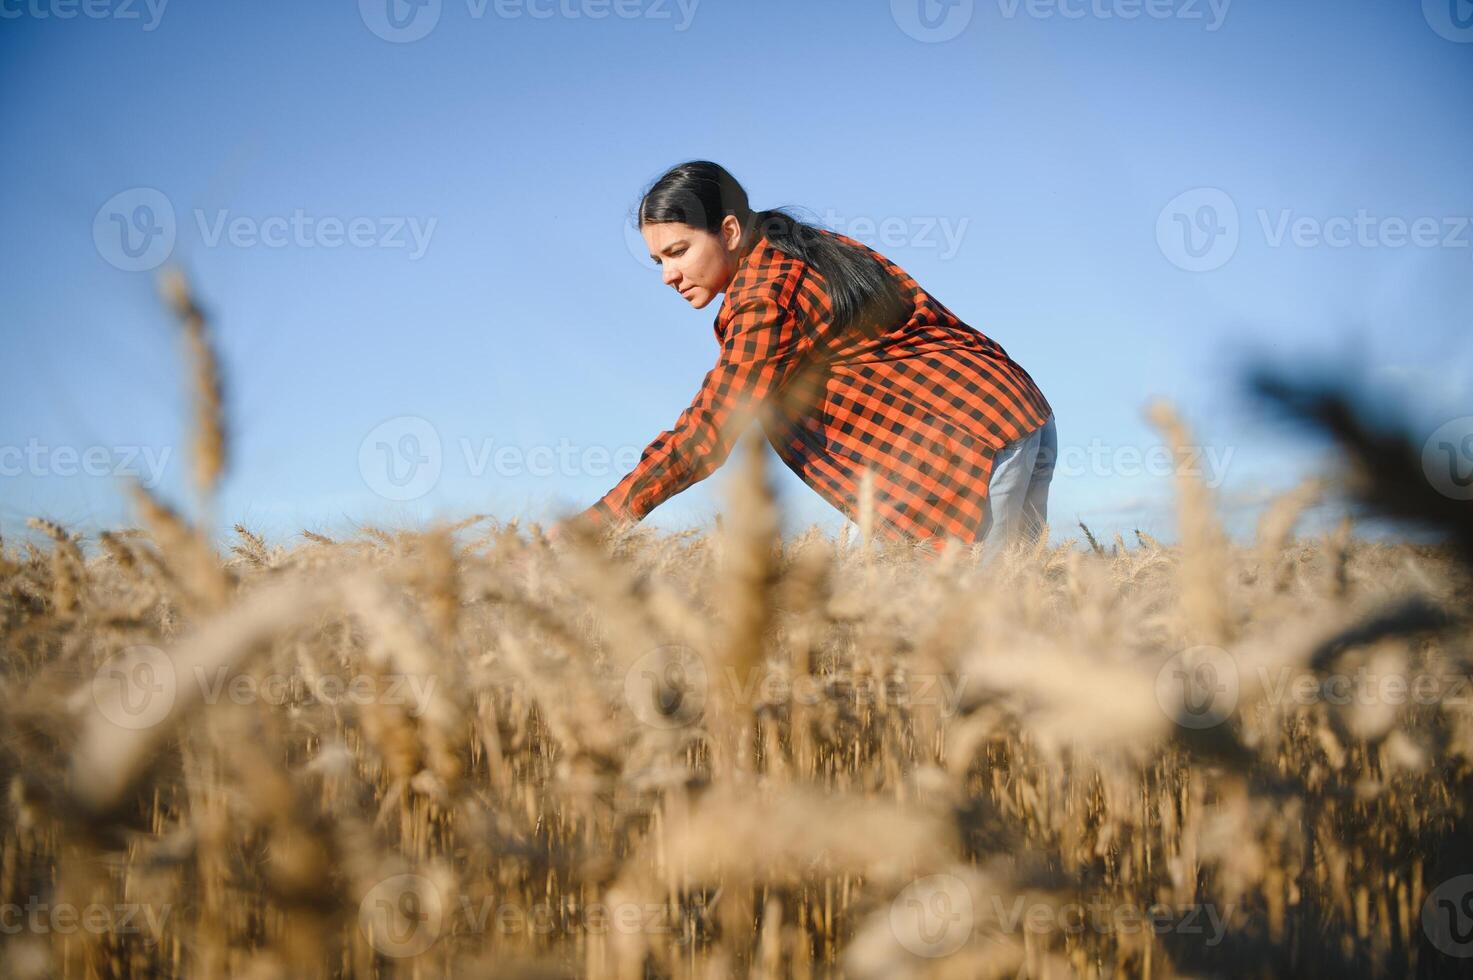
(463, 751)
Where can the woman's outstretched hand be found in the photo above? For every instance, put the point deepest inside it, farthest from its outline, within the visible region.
(585, 521)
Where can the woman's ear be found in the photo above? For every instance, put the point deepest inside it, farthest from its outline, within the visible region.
(731, 232)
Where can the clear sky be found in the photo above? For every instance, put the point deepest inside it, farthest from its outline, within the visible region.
(409, 222)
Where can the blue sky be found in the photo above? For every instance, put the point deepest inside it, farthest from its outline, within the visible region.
(417, 234)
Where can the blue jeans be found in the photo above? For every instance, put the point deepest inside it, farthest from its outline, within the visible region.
(1017, 493)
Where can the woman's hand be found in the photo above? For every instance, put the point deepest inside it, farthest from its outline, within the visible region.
(561, 531)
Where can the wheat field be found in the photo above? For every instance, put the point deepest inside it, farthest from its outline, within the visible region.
(466, 750)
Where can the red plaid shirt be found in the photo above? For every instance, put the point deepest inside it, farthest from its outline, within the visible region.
(925, 404)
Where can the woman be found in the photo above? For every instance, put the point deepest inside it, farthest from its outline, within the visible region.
(849, 365)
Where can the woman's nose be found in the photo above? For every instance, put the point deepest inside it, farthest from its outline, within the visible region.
(670, 274)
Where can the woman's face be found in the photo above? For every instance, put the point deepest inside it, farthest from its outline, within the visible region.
(693, 261)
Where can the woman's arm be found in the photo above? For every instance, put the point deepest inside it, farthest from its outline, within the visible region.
(764, 346)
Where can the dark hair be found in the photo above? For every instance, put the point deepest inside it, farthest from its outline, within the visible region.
(701, 194)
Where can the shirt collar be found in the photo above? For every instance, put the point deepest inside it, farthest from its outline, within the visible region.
(747, 266)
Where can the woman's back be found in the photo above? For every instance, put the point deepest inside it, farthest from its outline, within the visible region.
(924, 402)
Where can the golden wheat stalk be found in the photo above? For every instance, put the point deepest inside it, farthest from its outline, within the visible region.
(1204, 596)
(209, 444)
(68, 568)
(192, 563)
